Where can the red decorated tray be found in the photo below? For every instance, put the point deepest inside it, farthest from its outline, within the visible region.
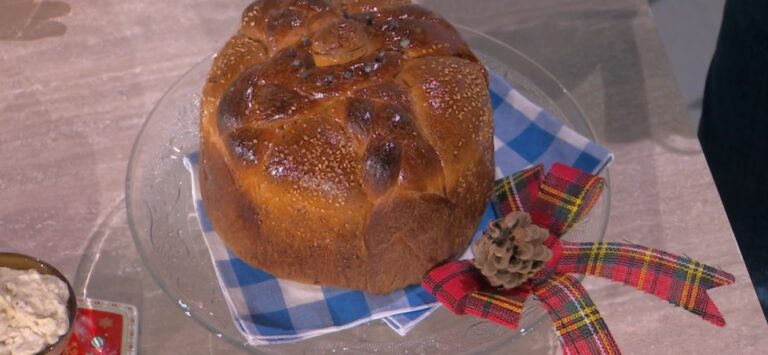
(104, 327)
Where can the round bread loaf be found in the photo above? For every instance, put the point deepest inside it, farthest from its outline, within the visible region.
(345, 143)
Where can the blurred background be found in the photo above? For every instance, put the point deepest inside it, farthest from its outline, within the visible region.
(688, 29)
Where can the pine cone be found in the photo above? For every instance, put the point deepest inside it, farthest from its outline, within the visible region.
(511, 250)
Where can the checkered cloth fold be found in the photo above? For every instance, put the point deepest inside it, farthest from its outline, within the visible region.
(557, 201)
(270, 310)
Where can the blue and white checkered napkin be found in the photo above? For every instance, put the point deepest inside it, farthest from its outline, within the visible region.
(270, 310)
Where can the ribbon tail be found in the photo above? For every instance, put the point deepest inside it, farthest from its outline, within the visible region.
(576, 319)
(678, 279)
(461, 288)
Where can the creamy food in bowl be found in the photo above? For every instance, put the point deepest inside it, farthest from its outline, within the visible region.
(37, 307)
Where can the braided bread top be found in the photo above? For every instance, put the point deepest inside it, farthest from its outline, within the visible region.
(327, 114)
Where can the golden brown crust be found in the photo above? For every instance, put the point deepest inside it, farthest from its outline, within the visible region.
(345, 143)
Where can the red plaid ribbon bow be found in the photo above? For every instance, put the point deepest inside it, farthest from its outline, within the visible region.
(556, 202)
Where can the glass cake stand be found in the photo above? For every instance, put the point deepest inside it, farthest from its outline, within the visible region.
(165, 230)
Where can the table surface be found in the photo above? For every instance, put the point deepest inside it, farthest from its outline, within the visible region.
(79, 78)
